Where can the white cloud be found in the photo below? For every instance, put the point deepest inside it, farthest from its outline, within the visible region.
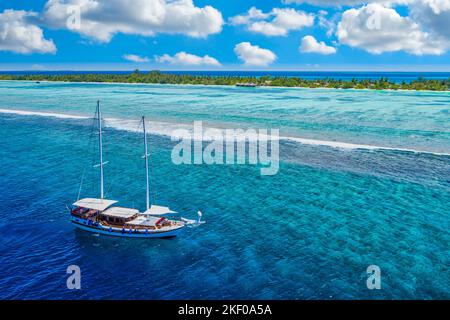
(339, 3)
(187, 59)
(102, 19)
(254, 55)
(433, 16)
(379, 29)
(437, 6)
(252, 15)
(277, 22)
(135, 58)
(329, 24)
(19, 33)
(310, 45)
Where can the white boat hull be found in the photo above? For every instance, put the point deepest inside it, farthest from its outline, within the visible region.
(125, 233)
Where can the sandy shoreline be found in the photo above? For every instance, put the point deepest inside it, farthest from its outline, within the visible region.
(221, 86)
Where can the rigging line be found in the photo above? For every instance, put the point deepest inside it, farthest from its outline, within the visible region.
(91, 135)
(81, 185)
(152, 194)
(89, 145)
(139, 130)
(109, 189)
(152, 171)
(120, 135)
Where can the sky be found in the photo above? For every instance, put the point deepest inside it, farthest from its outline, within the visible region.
(325, 35)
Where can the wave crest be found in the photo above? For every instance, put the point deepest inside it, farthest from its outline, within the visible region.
(167, 128)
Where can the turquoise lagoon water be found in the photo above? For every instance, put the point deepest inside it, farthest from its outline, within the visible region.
(347, 197)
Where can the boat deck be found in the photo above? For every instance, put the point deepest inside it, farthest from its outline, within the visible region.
(94, 217)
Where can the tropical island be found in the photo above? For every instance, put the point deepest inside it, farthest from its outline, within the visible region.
(157, 77)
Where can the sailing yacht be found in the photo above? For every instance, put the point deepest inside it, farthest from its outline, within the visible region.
(100, 215)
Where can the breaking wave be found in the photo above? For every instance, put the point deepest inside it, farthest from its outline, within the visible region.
(167, 129)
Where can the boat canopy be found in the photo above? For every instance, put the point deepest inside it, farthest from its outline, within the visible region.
(144, 221)
(158, 210)
(95, 204)
(119, 212)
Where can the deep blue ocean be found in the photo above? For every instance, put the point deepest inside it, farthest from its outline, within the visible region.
(364, 179)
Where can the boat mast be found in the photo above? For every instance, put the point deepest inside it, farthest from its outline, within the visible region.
(100, 146)
(146, 166)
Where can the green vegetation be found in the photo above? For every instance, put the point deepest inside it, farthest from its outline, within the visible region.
(164, 78)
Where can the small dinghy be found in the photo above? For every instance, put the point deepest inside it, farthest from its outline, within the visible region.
(194, 223)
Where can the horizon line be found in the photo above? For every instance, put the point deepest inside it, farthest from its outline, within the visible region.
(221, 70)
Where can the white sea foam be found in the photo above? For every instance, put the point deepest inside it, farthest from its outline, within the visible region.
(153, 127)
(167, 129)
(346, 145)
(41, 114)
